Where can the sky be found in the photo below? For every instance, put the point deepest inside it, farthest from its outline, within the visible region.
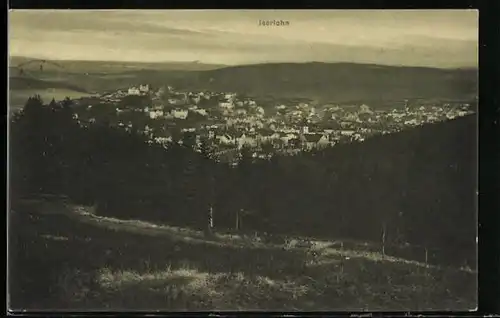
(435, 38)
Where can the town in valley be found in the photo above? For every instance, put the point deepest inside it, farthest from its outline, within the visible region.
(227, 121)
(222, 160)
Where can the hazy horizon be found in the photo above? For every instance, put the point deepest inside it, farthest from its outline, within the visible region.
(422, 38)
(34, 58)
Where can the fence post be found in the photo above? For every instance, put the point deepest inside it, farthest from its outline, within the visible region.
(426, 261)
(237, 220)
(383, 239)
(210, 221)
(341, 261)
(426, 257)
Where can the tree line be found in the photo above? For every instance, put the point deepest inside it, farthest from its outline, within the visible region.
(417, 186)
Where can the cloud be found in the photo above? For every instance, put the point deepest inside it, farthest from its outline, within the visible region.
(441, 37)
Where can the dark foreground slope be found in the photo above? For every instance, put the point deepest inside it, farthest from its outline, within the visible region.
(419, 183)
(417, 186)
(59, 262)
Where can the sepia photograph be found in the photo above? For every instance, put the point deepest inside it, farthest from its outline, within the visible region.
(242, 160)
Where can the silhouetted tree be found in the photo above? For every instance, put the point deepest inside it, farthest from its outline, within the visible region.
(418, 185)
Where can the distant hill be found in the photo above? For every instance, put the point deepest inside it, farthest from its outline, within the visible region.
(20, 83)
(338, 82)
(323, 82)
(111, 66)
(21, 88)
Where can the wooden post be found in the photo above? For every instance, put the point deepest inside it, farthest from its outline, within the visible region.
(240, 219)
(426, 262)
(383, 238)
(210, 220)
(237, 220)
(426, 257)
(341, 261)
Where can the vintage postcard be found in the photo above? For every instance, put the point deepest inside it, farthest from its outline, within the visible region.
(215, 160)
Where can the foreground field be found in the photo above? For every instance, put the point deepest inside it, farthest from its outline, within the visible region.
(64, 257)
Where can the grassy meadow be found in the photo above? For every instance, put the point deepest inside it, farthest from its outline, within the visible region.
(64, 257)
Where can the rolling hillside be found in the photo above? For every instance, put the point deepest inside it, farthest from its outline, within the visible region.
(21, 88)
(111, 66)
(338, 82)
(22, 83)
(322, 82)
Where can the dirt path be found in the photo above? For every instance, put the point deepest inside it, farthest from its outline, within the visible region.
(324, 249)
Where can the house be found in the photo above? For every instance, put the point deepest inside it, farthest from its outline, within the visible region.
(275, 135)
(365, 109)
(310, 141)
(201, 111)
(347, 132)
(451, 115)
(144, 88)
(358, 137)
(211, 134)
(363, 117)
(175, 101)
(324, 141)
(294, 142)
(226, 104)
(246, 140)
(251, 103)
(180, 113)
(196, 99)
(134, 91)
(163, 140)
(351, 117)
(241, 112)
(412, 122)
(229, 96)
(155, 114)
(225, 139)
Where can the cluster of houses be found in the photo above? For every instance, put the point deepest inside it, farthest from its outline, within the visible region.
(141, 90)
(235, 121)
(223, 137)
